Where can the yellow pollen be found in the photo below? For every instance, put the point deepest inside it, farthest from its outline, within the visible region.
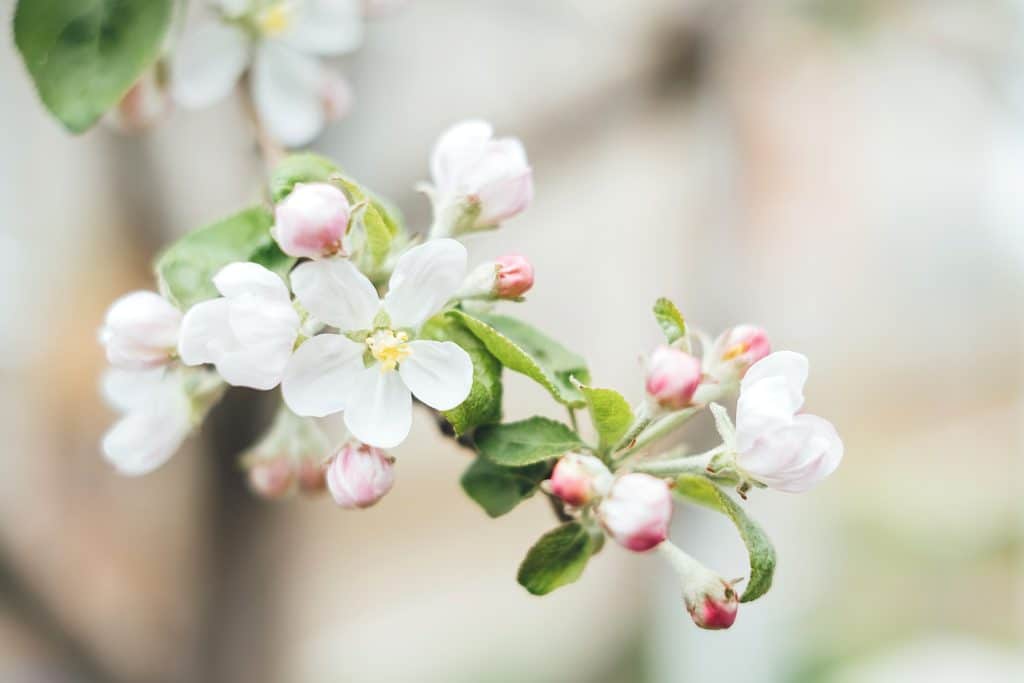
(275, 20)
(389, 348)
(734, 351)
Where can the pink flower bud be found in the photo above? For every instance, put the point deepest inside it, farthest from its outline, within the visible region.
(515, 276)
(140, 331)
(715, 606)
(311, 222)
(312, 476)
(737, 349)
(637, 511)
(360, 475)
(577, 479)
(335, 94)
(271, 479)
(672, 377)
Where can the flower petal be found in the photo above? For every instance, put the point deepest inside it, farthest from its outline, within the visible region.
(424, 279)
(205, 333)
(380, 410)
(151, 433)
(336, 292)
(770, 394)
(286, 90)
(791, 366)
(254, 320)
(258, 366)
(458, 148)
(795, 458)
(438, 373)
(207, 63)
(243, 277)
(319, 377)
(125, 390)
(327, 27)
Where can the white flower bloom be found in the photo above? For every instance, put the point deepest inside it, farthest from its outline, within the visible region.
(283, 40)
(327, 373)
(248, 333)
(775, 445)
(140, 331)
(157, 416)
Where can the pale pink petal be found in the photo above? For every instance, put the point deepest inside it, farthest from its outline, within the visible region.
(380, 410)
(424, 279)
(207, 63)
(334, 291)
(321, 373)
(438, 373)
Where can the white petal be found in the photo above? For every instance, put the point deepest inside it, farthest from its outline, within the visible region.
(791, 366)
(796, 457)
(243, 277)
(505, 198)
(207, 63)
(439, 373)
(150, 434)
(458, 148)
(424, 279)
(205, 333)
(334, 291)
(125, 390)
(286, 90)
(327, 27)
(770, 395)
(254, 321)
(320, 375)
(258, 366)
(380, 409)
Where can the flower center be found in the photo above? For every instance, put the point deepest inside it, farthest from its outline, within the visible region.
(276, 19)
(389, 348)
(736, 351)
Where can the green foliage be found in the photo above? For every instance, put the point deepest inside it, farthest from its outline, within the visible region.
(185, 270)
(523, 349)
(525, 442)
(499, 489)
(762, 555)
(557, 559)
(299, 168)
(483, 405)
(609, 412)
(84, 55)
(670, 320)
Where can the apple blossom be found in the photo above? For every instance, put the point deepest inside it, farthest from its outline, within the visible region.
(672, 378)
(515, 276)
(360, 475)
(140, 331)
(312, 221)
(711, 600)
(248, 333)
(776, 446)
(735, 350)
(578, 478)
(637, 511)
(283, 41)
(478, 182)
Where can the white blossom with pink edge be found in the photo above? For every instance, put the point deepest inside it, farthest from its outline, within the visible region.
(312, 221)
(327, 373)
(637, 511)
(140, 331)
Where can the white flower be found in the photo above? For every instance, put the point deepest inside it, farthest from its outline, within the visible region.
(157, 416)
(283, 40)
(478, 181)
(775, 446)
(327, 374)
(248, 333)
(140, 331)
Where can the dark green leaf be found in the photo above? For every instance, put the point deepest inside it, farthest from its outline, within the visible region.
(185, 270)
(610, 413)
(483, 405)
(762, 555)
(557, 559)
(670, 320)
(523, 443)
(84, 55)
(499, 489)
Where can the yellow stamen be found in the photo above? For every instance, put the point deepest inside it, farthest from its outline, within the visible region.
(734, 351)
(389, 348)
(275, 20)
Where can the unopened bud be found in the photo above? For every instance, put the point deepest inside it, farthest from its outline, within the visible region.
(335, 94)
(360, 475)
(312, 476)
(140, 331)
(672, 378)
(311, 221)
(637, 511)
(577, 479)
(736, 350)
(711, 600)
(288, 457)
(272, 479)
(515, 276)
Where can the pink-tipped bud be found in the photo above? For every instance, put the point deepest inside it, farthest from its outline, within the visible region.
(311, 222)
(515, 276)
(360, 475)
(577, 479)
(715, 607)
(672, 377)
(271, 479)
(737, 349)
(312, 476)
(140, 331)
(335, 94)
(637, 511)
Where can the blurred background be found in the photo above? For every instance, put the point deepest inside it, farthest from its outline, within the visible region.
(847, 173)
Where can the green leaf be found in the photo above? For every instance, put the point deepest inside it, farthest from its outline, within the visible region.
(186, 269)
(499, 489)
(483, 405)
(84, 55)
(523, 443)
(299, 168)
(610, 413)
(523, 349)
(557, 559)
(381, 229)
(670, 320)
(762, 555)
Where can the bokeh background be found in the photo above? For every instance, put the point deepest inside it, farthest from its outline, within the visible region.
(848, 173)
